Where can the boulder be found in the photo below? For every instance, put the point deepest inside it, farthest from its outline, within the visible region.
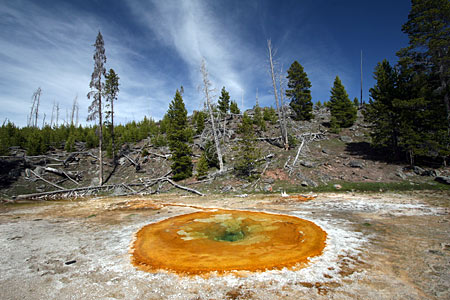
(345, 139)
(442, 179)
(356, 164)
(308, 164)
(401, 175)
(309, 182)
(419, 170)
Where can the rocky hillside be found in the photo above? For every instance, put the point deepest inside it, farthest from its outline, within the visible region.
(317, 160)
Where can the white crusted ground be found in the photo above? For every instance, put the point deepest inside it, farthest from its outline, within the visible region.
(34, 252)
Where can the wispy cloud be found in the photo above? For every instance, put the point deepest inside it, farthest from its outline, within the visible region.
(52, 48)
(194, 32)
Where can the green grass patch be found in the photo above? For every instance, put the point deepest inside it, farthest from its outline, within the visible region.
(363, 187)
(91, 216)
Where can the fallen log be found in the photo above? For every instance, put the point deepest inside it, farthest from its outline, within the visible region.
(71, 176)
(183, 187)
(165, 156)
(45, 180)
(298, 152)
(70, 158)
(66, 191)
(149, 183)
(130, 159)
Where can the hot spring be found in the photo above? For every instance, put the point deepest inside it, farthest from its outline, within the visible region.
(226, 241)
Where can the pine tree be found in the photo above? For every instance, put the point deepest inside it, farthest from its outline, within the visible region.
(202, 166)
(224, 106)
(179, 135)
(258, 118)
(248, 153)
(224, 101)
(343, 112)
(270, 115)
(198, 119)
(356, 102)
(96, 85)
(234, 109)
(111, 91)
(380, 112)
(299, 92)
(428, 29)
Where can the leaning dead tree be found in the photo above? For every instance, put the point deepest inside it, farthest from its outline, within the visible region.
(34, 113)
(283, 127)
(207, 91)
(95, 109)
(281, 81)
(306, 138)
(74, 113)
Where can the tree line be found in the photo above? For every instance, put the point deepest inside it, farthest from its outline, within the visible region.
(408, 110)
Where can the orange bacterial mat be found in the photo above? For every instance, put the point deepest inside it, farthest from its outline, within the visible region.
(226, 241)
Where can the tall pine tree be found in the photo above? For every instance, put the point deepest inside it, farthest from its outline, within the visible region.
(343, 112)
(97, 85)
(111, 91)
(179, 135)
(299, 92)
(380, 112)
(428, 29)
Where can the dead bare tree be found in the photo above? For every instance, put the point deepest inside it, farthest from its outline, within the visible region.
(57, 114)
(274, 83)
(74, 113)
(34, 113)
(53, 115)
(281, 82)
(96, 84)
(207, 90)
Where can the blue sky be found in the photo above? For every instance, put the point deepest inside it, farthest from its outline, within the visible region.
(156, 46)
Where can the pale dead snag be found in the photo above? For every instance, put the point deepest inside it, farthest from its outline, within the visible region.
(281, 120)
(207, 91)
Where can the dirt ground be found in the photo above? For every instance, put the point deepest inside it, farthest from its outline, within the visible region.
(379, 246)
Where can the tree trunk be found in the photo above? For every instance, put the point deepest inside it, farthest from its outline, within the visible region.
(216, 139)
(272, 73)
(224, 126)
(283, 114)
(112, 132)
(100, 140)
(446, 99)
(206, 84)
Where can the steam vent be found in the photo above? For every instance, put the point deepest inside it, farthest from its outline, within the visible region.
(226, 241)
